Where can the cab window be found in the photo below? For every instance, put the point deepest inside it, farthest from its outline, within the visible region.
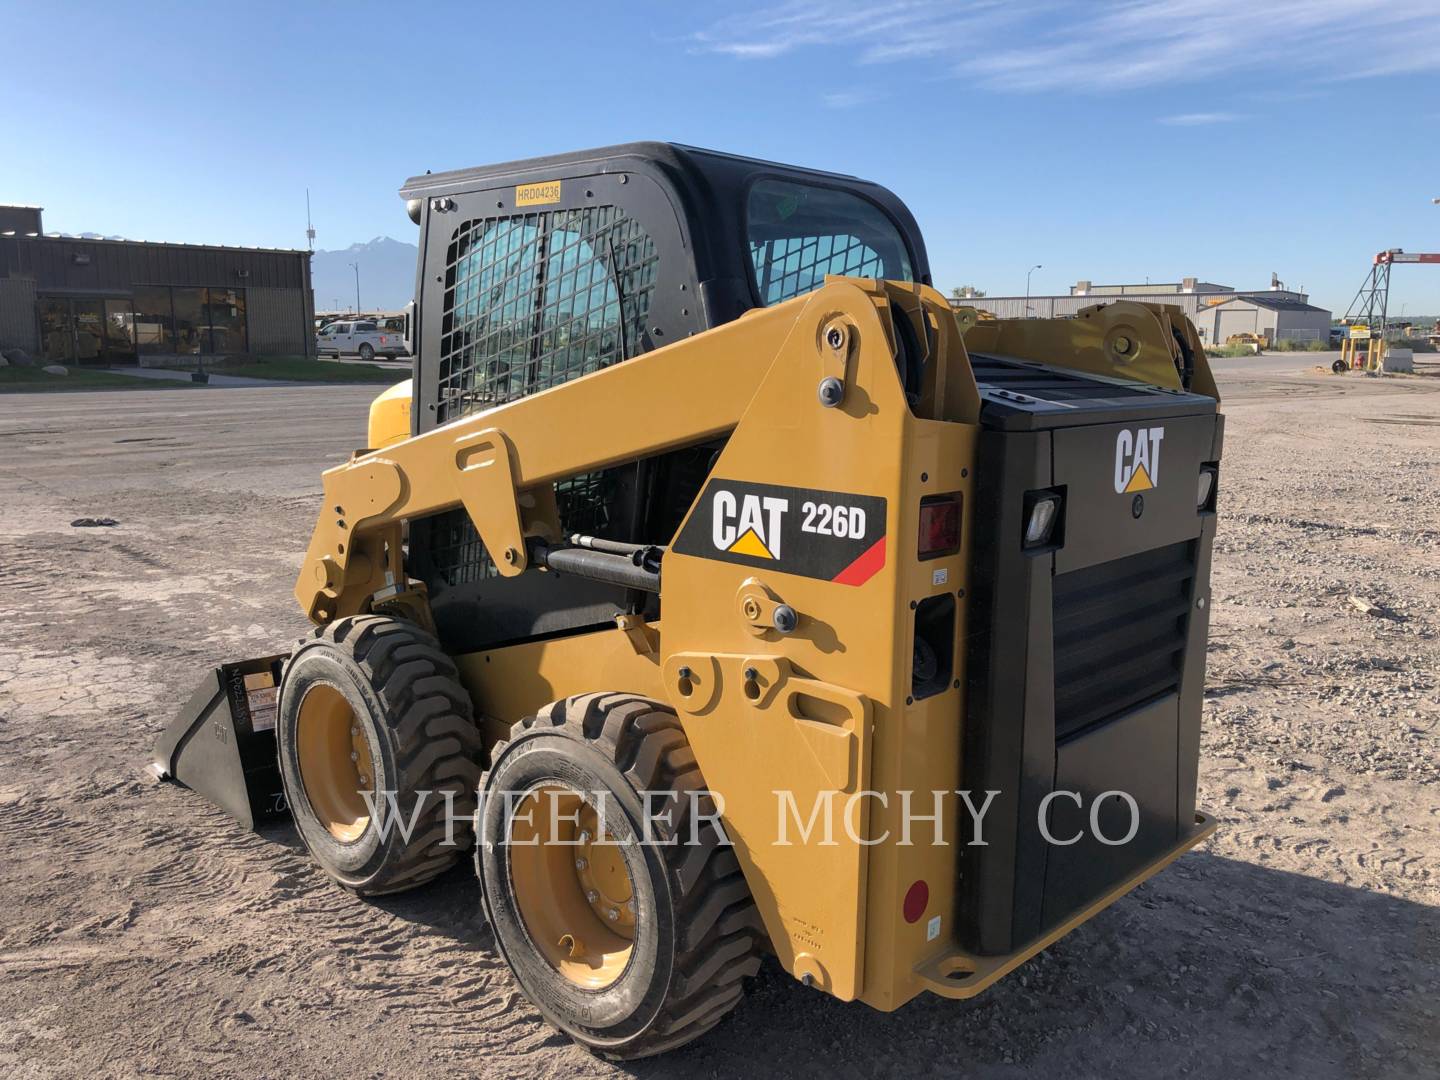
(799, 233)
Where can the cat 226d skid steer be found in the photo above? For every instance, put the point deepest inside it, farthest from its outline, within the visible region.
(726, 591)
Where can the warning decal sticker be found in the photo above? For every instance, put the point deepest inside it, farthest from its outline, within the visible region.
(829, 535)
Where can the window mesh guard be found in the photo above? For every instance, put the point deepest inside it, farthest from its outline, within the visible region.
(532, 301)
(788, 267)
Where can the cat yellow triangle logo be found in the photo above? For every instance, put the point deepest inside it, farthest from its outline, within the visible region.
(1139, 481)
(1137, 459)
(750, 544)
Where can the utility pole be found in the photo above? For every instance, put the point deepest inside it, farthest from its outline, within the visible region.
(1032, 269)
(356, 268)
(310, 242)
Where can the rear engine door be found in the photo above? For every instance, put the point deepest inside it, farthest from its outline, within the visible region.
(1130, 487)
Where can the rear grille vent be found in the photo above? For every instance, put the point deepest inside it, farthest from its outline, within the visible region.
(1045, 383)
(1120, 632)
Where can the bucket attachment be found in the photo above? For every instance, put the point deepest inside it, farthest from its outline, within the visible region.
(222, 744)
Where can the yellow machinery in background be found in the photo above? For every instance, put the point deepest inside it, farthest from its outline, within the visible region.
(729, 595)
(1258, 342)
(1367, 325)
(1359, 351)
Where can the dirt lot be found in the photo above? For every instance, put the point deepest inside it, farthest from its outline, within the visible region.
(141, 933)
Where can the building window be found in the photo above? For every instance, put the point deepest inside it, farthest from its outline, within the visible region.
(154, 320)
(57, 338)
(119, 331)
(189, 321)
(84, 331)
(227, 320)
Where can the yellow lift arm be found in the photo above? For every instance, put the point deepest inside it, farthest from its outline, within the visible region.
(501, 464)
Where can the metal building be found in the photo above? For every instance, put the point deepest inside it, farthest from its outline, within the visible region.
(1197, 299)
(1273, 317)
(75, 300)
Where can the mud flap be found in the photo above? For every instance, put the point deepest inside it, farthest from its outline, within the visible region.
(222, 744)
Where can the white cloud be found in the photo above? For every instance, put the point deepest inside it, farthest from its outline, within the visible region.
(848, 99)
(904, 30)
(1199, 119)
(1055, 45)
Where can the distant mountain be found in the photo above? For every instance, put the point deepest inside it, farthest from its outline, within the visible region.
(387, 275)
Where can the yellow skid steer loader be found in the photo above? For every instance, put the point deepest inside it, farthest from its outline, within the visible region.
(727, 592)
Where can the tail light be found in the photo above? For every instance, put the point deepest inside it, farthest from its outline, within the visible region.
(917, 899)
(939, 525)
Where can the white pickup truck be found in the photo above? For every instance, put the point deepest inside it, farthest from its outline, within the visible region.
(364, 337)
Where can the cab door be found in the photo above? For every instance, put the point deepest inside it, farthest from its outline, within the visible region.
(340, 339)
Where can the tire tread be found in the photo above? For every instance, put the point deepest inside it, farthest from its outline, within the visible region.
(719, 934)
(431, 721)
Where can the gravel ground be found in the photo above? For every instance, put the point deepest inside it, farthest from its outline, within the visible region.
(141, 933)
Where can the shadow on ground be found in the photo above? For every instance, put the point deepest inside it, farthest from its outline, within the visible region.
(1217, 967)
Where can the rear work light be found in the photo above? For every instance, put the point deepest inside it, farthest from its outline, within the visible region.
(1205, 489)
(939, 525)
(1042, 517)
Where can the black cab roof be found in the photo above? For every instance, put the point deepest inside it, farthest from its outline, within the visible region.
(708, 190)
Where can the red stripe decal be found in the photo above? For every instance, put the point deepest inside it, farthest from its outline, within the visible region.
(865, 567)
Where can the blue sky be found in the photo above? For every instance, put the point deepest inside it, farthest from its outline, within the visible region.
(1223, 139)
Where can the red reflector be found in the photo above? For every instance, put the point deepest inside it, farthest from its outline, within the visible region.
(916, 900)
(939, 526)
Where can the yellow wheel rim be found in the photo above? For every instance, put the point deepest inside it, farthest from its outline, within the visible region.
(572, 887)
(334, 759)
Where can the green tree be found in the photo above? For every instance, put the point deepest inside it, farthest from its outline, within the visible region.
(966, 292)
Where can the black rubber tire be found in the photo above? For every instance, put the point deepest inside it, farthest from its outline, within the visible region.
(698, 933)
(1339, 367)
(367, 351)
(419, 724)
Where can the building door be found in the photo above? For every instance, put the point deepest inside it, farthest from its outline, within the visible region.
(120, 332)
(57, 335)
(89, 321)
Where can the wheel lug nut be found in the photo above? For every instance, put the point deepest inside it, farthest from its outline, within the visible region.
(584, 836)
(592, 896)
(613, 915)
(581, 864)
(354, 755)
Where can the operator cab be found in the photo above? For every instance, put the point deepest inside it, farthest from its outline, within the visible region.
(532, 273)
(536, 271)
